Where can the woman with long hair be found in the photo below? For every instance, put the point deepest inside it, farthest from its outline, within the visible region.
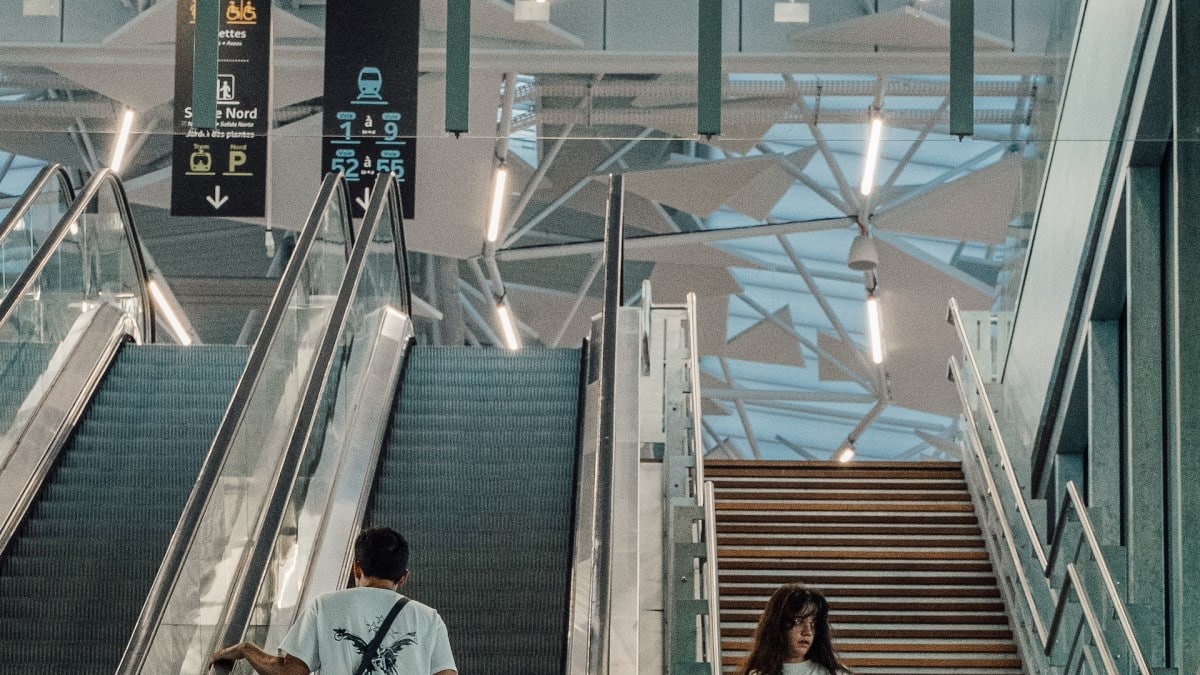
(792, 637)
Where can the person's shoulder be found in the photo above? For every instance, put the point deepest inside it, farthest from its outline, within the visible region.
(423, 610)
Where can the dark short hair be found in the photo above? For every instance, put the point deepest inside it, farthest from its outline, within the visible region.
(382, 553)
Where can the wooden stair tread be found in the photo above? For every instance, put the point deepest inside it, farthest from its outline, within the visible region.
(855, 518)
(848, 529)
(724, 504)
(764, 591)
(723, 552)
(864, 495)
(844, 542)
(789, 568)
(873, 618)
(882, 484)
(906, 633)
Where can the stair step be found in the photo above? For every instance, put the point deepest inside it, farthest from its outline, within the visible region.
(849, 529)
(803, 506)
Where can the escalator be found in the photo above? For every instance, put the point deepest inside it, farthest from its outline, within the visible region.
(475, 458)
(103, 517)
(477, 472)
(115, 436)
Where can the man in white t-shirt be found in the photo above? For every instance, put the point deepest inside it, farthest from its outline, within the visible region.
(333, 632)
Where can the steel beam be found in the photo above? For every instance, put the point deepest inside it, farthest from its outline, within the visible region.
(673, 240)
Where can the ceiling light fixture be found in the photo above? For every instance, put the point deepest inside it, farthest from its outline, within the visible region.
(871, 159)
(875, 327)
(792, 12)
(499, 184)
(118, 155)
(531, 10)
(864, 257)
(846, 452)
(508, 326)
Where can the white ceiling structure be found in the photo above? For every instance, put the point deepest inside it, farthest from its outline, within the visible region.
(757, 221)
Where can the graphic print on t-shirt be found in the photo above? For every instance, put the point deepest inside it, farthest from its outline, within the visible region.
(384, 662)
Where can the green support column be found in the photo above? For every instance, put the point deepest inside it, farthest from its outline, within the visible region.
(1145, 525)
(708, 69)
(458, 65)
(1183, 347)
(962, 67)
(204, 64)
(1104, 430)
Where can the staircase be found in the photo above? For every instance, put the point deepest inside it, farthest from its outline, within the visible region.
(478, 473)
(75, 576)
(894, 546)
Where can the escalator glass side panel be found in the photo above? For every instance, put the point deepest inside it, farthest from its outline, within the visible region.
(88, 258)
(26, 221)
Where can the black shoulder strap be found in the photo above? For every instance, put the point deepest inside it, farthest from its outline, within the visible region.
(373, 646)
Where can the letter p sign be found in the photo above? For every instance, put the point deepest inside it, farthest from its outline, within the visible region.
(236, 159)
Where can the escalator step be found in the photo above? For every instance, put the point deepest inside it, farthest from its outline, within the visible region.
(75, 576)
(478, 472)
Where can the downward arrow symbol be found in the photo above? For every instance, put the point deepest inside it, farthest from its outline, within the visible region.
(364, 200)
(216, 199)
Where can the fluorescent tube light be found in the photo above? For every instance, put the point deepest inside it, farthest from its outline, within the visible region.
(177, 330)
(875, 328)
(508, 327)
(871, 159)
(792, 12)
(531, 10)
(499, 182)
(118, 155)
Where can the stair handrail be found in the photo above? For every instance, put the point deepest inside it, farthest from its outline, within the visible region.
(102, 178)
(385, 201)
(696, 400)
(955, 318)
(711, 581)
(998, 506)
(17, 213)
(1071, 501)
(332, 187)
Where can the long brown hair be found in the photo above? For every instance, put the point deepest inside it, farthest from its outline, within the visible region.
(770, 646)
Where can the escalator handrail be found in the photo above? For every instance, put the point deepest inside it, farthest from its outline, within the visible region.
(236, 617)
(333, 187)
(18, 210)
(103, 177)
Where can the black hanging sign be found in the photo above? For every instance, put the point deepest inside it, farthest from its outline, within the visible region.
(223, 171)
(370, 111)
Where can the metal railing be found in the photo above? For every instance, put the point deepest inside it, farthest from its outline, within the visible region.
(1072, 584)
(37, 189)
(73, 224)
(689, 497)
(291, 284)
(383, 211)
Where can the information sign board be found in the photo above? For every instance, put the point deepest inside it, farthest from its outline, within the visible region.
(370, 113)
(223, 171)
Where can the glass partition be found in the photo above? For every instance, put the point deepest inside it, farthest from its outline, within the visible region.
(26, 221)
(90, 257)
(378, 285)
(254, 435)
